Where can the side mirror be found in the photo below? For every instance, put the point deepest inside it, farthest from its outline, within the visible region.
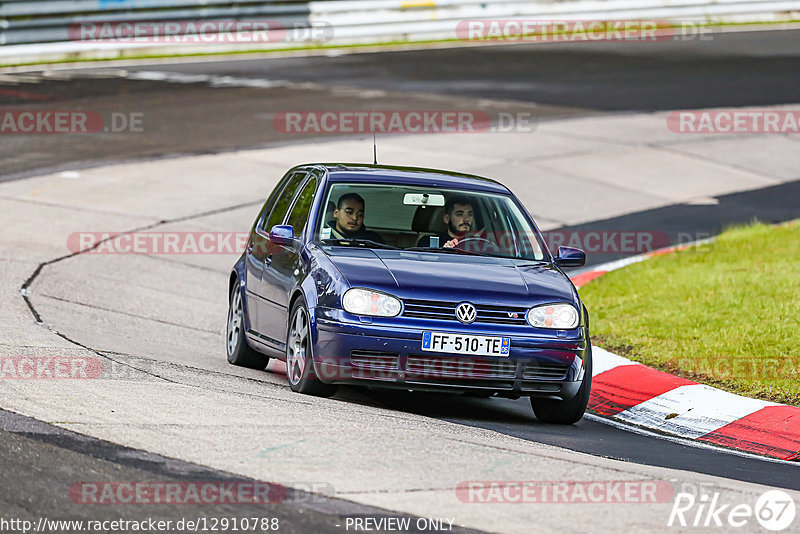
(281, 234)
(570, 257)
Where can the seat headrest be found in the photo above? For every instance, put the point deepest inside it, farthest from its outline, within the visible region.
(429, 219)
(329, 209)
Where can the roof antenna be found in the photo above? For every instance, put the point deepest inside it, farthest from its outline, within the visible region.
(374, 149)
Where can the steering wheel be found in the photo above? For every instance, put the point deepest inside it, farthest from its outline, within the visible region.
(491, 243)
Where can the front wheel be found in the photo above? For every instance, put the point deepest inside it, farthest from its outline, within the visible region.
(570, 411)
(239, 352)
(299, 359)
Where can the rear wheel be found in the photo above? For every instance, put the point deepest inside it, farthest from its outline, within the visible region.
(239, 352)
(570, 411)
(299, 359)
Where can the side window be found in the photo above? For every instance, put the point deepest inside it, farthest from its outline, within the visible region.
(266, 209)
(299, 215)
(284, 201)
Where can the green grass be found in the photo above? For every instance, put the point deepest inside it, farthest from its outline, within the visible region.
(725, 314)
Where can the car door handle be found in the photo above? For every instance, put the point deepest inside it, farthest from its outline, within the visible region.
(268, 260)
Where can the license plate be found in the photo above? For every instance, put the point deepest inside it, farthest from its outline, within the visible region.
(466, 344)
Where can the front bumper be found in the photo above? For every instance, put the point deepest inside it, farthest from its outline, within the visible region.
(390, 355)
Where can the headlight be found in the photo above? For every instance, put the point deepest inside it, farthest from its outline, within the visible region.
(563, 316)
(366, 302)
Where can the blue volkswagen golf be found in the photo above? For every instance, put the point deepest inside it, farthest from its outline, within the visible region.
(409, 278)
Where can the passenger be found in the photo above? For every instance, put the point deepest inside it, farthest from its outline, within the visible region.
(348, 220)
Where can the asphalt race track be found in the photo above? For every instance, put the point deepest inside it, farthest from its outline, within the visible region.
(26, 445)
(220, 106)
(551, 80)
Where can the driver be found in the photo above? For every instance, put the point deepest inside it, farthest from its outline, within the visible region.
(459, 218)
(348, 219)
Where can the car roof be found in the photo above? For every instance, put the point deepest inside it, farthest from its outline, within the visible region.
(362, 172)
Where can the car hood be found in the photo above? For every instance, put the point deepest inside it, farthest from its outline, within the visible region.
(451, 277)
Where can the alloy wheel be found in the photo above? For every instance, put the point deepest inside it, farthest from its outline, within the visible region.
(234, 330)
(297, 353)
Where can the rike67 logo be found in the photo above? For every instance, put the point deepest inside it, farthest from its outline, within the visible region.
(774, 510)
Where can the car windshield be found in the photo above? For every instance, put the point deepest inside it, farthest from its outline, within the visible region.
(425, 218)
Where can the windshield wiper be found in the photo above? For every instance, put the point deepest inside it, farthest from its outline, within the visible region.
(449, 250)
(357, 243)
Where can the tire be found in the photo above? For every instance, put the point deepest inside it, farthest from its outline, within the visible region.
(299, 357)
(239, 352)
(566, 412)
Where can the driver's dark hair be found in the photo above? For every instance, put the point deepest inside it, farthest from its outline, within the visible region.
(349, 196)
(458, 199)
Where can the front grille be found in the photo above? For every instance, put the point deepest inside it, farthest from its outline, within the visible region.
(374, 359)
(545, 371)
(446, 311)
(459, 368)
(429, 310)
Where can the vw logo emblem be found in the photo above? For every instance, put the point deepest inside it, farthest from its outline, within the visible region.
(465, 312)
